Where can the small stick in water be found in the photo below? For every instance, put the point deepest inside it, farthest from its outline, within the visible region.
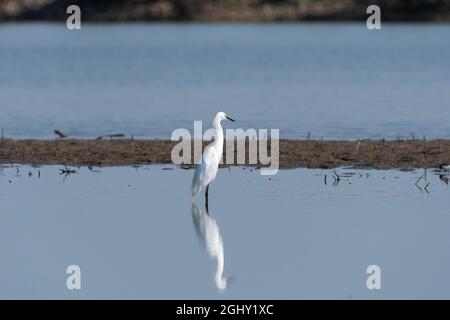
(111, 136)
(91, 167)
(67, 171)
(418, 180)
(425, 141)
(337, 176)
(60, 134)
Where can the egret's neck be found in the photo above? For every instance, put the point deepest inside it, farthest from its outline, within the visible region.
(218, 142)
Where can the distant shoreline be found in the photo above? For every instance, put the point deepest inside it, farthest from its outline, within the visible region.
(225, 10)
(402, 154)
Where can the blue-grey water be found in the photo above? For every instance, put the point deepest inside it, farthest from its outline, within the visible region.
(337, 81)
(135, 233)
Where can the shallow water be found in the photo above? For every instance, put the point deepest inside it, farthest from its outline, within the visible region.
(135, 233)
(339, 81)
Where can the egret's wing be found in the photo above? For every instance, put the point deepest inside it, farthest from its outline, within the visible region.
(196, 180)
(205, 171)
(210, 165)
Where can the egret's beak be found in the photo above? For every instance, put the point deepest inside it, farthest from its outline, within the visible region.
(228, 118)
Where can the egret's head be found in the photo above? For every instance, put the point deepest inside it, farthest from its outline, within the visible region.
(223, 116)
(222, 283)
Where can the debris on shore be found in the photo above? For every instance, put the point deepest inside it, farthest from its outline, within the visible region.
(383, 154)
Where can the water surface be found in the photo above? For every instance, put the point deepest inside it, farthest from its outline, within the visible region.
(136, 233)
(339, 81)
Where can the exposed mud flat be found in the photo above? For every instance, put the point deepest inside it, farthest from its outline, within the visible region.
(293, 153)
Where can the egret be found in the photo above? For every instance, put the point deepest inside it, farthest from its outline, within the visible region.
(207, 167)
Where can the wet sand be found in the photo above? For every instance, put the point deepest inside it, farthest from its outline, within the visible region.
(293, 153)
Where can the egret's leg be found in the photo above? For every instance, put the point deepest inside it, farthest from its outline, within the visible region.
(206, 196)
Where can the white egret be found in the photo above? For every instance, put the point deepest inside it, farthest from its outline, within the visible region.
(206, 169)
(209, 234)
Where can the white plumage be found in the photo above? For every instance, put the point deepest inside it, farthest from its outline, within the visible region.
(206, 169)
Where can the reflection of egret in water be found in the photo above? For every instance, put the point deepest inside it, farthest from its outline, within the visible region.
(209, 234)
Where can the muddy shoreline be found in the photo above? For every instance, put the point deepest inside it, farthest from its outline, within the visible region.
(405, 154)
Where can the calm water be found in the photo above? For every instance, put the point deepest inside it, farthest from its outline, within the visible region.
(135, 233)
(333, 80)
